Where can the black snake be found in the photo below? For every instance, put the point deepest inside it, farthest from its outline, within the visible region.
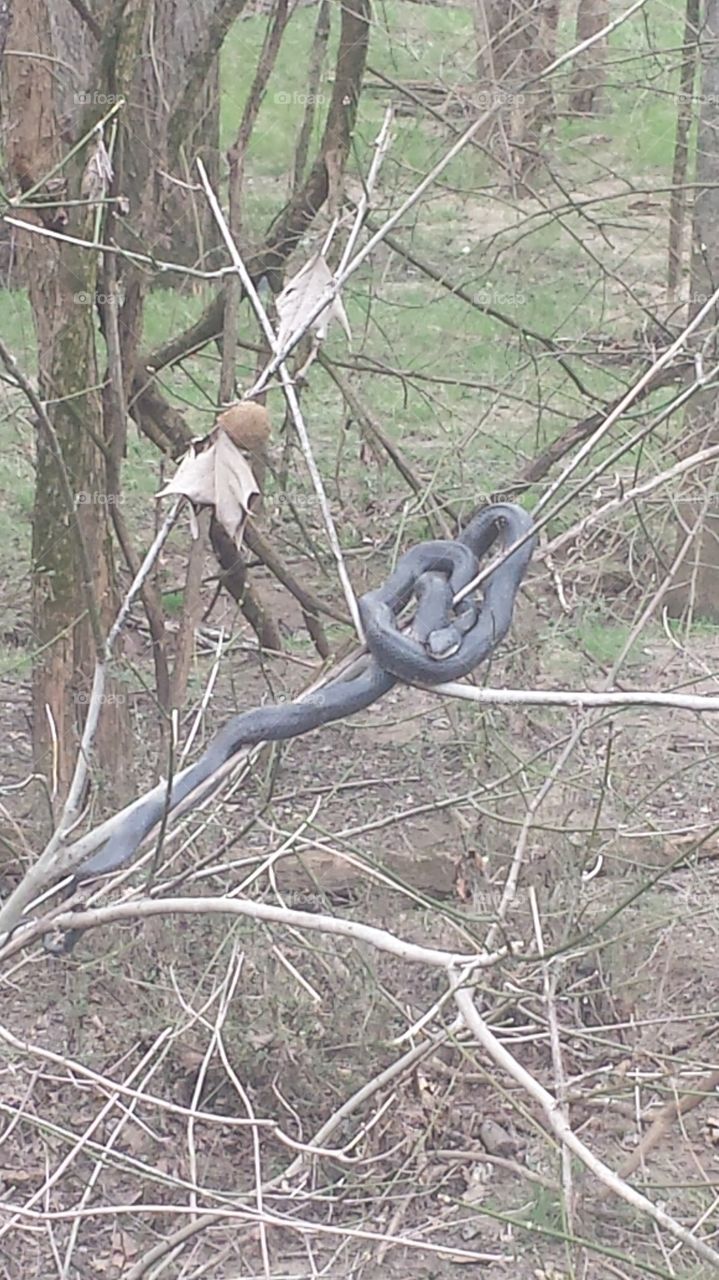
(443, 644)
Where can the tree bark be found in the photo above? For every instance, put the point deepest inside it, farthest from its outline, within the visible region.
(677, 199)
(698, 590)
(41, 106)
(187, 228)
(587, 96)
(516, 39)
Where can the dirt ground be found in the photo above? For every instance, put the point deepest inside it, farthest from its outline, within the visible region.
(407, 817)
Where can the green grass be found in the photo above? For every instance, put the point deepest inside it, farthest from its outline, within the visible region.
(467, 440)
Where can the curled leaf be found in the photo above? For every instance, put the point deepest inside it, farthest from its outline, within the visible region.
(301, 295)
(98, 172)
(215, 473)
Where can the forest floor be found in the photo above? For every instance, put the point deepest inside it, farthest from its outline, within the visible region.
(360, 811)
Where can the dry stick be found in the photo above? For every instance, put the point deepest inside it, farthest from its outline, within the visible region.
(659, 364)
(105, 1084)
(290, 396)
(512, 880)
(442, 278)
(191, 614)
(23, 200)
(337, 926)
(671, 1111)
(543, 462)
(265, 551)
(549, 976)
(381, 145)
(489, 697)
(145, 259)
(554, 1113)
(307, 1227)
(565, 1134)
(630, 495)
(56, 858)
(364, 414)
(81, 1141)
(429, 179)
(152, 604)
(510, 885)
(116, 1133)
(698, 383)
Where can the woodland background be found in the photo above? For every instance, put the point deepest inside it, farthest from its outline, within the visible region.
(162, 1086)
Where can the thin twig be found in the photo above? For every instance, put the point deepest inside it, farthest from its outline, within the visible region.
(566, 1135)
(290, 396)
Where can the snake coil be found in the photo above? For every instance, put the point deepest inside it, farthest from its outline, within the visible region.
(441, 645)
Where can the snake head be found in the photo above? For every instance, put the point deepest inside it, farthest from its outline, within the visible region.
(446, 641)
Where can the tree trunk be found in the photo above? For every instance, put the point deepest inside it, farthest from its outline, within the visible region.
(516, 39)
(41, 108)
(697, 590)
(588, 80)
(677, 199)
(188, 232)
(159, 60)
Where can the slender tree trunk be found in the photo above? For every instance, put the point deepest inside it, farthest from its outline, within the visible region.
(318, 53)
(516, 39)
(40, 104)
(697, 591)
(677, 200)
(150, 58)
(186, 224)
(587, 96)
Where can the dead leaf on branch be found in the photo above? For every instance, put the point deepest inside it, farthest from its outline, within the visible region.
(215, 472)
(301, 295)
(98, 173)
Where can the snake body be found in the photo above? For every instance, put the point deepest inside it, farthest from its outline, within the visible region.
(438, 648)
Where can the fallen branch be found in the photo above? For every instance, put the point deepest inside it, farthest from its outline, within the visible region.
(354, 930)
(561, 1129)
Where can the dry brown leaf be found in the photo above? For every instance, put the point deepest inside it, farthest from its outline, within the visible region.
(123, 1246)
(300, 297)
(97, 174)
(217, 475)
(18, 1177)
